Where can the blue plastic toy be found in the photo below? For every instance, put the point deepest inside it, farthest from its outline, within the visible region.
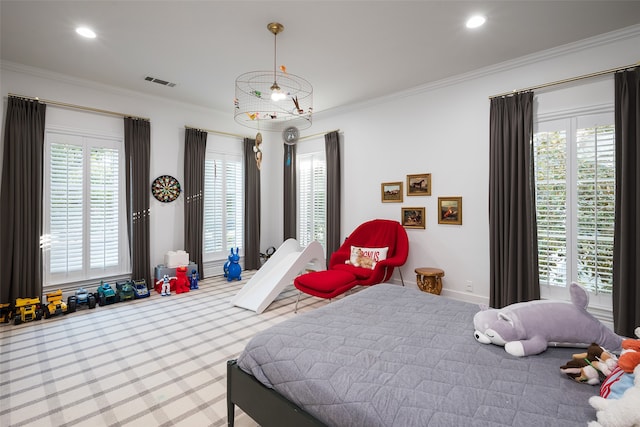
(193, 279)
(232, 267)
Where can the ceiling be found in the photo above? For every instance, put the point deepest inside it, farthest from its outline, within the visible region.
(350, 51)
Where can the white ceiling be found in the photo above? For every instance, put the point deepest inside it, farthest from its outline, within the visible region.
(351, 51)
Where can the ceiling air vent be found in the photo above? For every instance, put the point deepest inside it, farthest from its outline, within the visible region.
(159, 81)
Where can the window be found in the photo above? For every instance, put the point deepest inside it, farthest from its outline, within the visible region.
(575, 199)
(312, 198)
(84, 231)
(223, 205)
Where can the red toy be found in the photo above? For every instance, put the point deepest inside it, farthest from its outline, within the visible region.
(182, 283)
(630, 356)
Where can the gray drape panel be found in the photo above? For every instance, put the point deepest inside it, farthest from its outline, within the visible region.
(290, 201)
(137, 151)
(251, 207)
(195, 145)
(626, 249)
(512, 220)
(332, 152)
(21, 200)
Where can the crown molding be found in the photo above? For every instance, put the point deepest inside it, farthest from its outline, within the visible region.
(90, 84)
(592, 42)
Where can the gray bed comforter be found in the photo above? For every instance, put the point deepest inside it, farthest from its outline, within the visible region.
(393, 356)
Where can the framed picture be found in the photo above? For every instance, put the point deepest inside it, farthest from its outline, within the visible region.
(413, 218)
(391, 192)
(450, 210)
(419, 185)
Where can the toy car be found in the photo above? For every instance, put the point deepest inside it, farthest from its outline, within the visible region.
(81, 297)
(125, 290)
(140, 288)
(55, 305)
(105, 294)
(26, 310)
(6, 313)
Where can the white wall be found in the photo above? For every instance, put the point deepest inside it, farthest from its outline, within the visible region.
(442, 129)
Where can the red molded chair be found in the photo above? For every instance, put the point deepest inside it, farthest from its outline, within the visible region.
(342, 276)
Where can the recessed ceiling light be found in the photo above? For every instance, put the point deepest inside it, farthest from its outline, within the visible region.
(86, 32)
(476, 21)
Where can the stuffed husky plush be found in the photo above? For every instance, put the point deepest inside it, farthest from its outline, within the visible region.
(528, 328)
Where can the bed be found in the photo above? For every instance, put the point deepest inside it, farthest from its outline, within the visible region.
(393, 356)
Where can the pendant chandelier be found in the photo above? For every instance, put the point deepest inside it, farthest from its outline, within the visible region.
(273, 100)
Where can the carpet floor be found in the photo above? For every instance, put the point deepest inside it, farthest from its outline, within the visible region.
(158, 361)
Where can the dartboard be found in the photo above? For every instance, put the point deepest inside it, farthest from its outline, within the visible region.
(165, 188)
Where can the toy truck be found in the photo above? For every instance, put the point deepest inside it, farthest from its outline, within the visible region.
(6, 312)
(140, 288)
(27, 310)
(82, 297)
(55, 304)
(125, 290)
(105, 294)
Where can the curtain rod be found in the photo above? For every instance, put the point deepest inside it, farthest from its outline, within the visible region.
(302, 138)
(570, 79)
(235, 135)
(78, 107)
(240, 136)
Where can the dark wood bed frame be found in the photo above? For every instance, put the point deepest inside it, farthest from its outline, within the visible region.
(266, 406)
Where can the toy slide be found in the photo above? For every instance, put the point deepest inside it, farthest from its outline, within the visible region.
(278, 273)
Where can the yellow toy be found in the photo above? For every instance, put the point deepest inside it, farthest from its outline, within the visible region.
(6, 313)
(27, 309)
(55, 304)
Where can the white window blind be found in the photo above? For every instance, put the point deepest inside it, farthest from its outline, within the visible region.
(85, 231)
(312, 198)
(575, 198)
(223, 205)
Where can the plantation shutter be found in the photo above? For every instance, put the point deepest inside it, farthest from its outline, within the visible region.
(312, 199)
(223, 204)
(104, 221)
(551, 206)
(213, 180)
(234, 198)
(595, 185)
(67, 208)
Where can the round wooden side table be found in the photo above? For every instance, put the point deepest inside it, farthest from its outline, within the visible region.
(429, 279)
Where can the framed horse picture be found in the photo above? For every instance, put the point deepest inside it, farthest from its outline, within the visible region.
(419, 185)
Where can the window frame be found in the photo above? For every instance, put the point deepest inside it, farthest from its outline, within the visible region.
(87, 139)
(574, 119)
(224, 152)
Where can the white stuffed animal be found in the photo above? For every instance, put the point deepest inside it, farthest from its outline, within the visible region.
(623, 412)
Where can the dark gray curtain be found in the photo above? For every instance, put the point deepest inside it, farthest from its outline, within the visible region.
(626, 249)
(195, 145)
(332, 152)
(512, 220)
(137, 151)
(290, 202)
(21, 200)
(251, 207)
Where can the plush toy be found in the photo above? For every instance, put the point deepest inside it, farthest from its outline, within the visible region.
(630, 356)
(232, 269)
(182, 283)
(528, 328)
(622, 412)
(592, 366)
(363, 261)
